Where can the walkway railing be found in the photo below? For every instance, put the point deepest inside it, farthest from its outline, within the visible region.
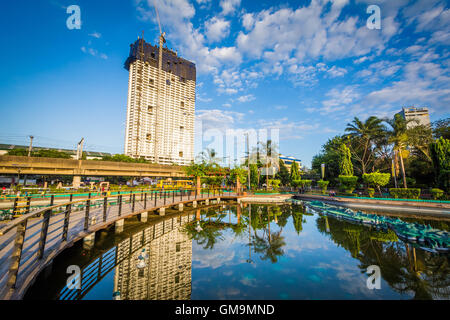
(30, 242)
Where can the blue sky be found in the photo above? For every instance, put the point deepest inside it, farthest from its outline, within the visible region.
(303, 67)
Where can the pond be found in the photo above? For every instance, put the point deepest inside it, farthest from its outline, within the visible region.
(246, 252)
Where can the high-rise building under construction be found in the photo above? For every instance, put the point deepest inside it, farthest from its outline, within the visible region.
(161, 105)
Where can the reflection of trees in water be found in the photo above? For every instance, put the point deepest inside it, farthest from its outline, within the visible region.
(405, 268)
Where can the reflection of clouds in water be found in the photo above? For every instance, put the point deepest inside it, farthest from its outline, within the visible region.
(294, 244)
(351, 280)
(249, 281)
(224, 253)
(228, 293)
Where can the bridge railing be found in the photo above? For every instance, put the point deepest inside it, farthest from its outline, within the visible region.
(26, 204)
(32, 240)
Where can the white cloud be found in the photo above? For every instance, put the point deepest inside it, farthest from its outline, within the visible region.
(336, 72)
(229, 6)
(217, 29)
(218, 119)
(227, 54)
(96, 35)
(246, 98)
(248, 21)
(338, 99)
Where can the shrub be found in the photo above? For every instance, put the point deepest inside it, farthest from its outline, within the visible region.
(348, 183)
(437, 193)
(323, 185)
(371, 192)
(301, 183)
(376, 179)
(305, 183)
(275, 183)
(405, 193)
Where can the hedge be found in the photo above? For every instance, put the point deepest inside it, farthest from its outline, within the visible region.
(405, 193)
(348, 183)
(437, 193)
(323, 185)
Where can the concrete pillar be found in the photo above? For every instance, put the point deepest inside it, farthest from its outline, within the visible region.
(162, 211)
(198, 186)
(144, 216)
(119, 225)
(238, 185)
(180, 207)
(88, 241)
(197, 215)
(194, 204)
(76, 182)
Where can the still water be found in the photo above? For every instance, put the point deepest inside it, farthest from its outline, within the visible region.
(246, 252)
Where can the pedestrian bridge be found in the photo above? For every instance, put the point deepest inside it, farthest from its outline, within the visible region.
(29, 243)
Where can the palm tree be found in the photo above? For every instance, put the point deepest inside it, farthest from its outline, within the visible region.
(269, 154)
(364, 134)
(209, 156)
(196, 170)
(398, 137)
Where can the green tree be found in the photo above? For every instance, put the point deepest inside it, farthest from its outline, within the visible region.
(398, 137)
(196, 170)
(441, 128)
(440, 153)
(283, 174)
(376, 179)
(254, 175)
(295, 172)
(268, 154)
(239, 172)
(330, 156)
(362, 136)
(18, 152)
(345, 161)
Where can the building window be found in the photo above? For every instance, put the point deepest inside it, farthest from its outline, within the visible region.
(178, 247)
(150, 109)
(181, 128)
(177, 278)
(180, 154)
(149, 136)
(151, 82)
(168, 82)
(182, 104)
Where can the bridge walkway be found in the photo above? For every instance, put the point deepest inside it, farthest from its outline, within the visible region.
(30, 242)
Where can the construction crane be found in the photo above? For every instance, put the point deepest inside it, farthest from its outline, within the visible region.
(162, 40)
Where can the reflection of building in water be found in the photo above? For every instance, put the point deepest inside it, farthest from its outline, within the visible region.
(167, 274)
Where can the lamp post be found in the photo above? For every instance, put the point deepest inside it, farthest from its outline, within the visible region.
(322, 170)
(29, 155)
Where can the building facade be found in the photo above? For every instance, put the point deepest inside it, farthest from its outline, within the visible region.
(421, 115)
(160, 106)
(289, 160)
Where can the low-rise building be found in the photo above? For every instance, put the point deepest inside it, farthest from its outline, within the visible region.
(421, 115)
